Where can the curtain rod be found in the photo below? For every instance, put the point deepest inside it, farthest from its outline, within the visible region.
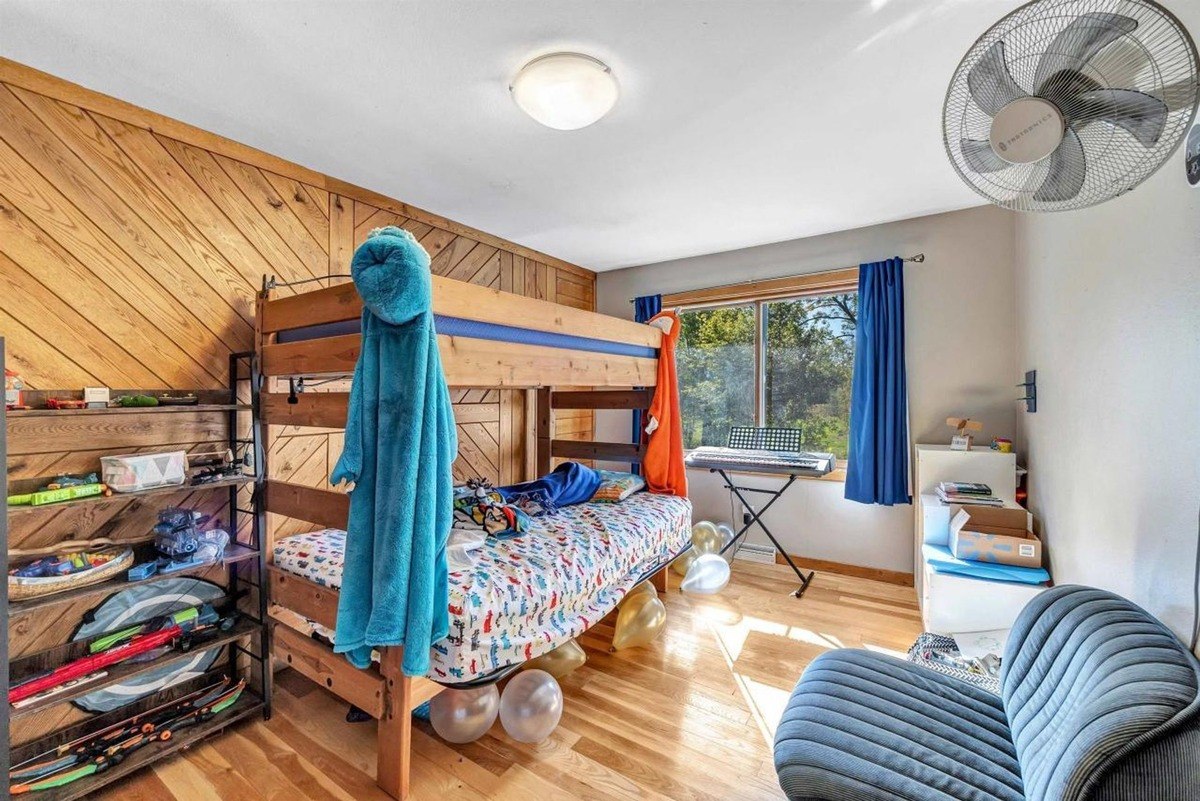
(915, 259)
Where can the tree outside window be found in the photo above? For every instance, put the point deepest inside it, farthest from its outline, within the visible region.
(781, 363)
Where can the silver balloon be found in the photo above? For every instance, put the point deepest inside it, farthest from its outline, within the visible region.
(726, 533)
(463, 716)
(531, 706)
(708, 575)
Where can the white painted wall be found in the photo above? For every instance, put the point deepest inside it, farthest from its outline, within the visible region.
(1109, 306)
(960, 353)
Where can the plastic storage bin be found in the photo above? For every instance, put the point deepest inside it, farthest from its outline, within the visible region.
(142, 471)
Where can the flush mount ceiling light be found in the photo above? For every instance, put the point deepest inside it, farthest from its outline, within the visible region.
(565, 90)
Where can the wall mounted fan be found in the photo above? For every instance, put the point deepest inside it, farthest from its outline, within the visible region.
(1064, 104)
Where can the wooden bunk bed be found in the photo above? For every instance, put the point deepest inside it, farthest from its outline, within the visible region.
(555, 346)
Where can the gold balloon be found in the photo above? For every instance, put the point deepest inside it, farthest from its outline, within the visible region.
(639, 621)
(684, 561)
(559, 662)
(706, 538)
(645, 588)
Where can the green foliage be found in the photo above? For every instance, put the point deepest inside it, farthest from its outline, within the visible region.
(809, 363)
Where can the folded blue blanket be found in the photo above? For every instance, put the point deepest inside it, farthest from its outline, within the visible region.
(400, 443)
(942, 560)
(567, 484)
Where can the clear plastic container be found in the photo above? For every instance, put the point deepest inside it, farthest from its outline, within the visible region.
(142, 471)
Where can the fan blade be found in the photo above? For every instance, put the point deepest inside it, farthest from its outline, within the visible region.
(1075, 45)
(1120, 64)
(991, 84)
(980, 157)
(1181, 95)
(1068, 168)
(1141, 114)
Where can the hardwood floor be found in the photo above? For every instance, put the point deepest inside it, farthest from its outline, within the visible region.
(690, 717)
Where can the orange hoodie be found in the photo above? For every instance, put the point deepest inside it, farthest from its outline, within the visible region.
(662, 465)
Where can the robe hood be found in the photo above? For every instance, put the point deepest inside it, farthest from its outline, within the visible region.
(391, 271)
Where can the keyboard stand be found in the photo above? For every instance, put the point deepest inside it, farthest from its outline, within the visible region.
(756, 517)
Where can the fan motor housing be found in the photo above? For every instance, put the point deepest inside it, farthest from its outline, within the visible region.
(1027, 130)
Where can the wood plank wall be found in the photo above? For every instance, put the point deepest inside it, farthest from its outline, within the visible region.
(131, 246)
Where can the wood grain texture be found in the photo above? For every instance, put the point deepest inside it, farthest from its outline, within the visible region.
(132, 247)
(690, 717)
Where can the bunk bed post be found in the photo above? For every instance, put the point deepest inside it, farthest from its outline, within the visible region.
(544, 420)
(394, 740)
(662, 579)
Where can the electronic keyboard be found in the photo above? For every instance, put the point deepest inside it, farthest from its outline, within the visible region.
(799, 463)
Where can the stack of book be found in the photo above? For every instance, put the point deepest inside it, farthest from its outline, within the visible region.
(966, 493)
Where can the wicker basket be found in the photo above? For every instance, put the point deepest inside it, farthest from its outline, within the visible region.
(22, 589)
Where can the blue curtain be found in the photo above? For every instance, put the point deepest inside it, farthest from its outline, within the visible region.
(644, 308)
(878, 455)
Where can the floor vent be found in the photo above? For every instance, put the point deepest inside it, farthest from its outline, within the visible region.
(752, 552)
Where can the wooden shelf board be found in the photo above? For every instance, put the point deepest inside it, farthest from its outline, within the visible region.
(248, 704)
(124, 671)
(196, 407)
(233, 553)
(116, 497)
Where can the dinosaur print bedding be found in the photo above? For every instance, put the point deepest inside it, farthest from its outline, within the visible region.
(528, 594)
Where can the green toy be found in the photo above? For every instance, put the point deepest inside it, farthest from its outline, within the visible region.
(133, 401)
(42, 497)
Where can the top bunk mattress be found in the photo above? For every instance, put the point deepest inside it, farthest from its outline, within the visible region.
(477, 329)
(527, 595)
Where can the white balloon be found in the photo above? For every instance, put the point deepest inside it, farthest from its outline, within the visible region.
(708, 575)
(531, 706)
(463, 716)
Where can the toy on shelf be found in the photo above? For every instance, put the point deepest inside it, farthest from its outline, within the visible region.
(65, 570)
(181, 545)
(962, 441)
(65, 404)
(212, 466)
(14, 391)
(135, 401)
(180, 631)
(97, 751)
(177, 400)
(1002, 444)
(62, 488)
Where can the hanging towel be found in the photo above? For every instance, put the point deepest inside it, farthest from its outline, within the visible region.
(400, 442)
(662, 464)
(565, 485)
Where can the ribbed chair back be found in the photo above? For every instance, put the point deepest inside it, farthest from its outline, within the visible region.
(1103, 701)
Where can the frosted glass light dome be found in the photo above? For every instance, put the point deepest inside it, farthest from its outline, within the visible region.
(565, 91)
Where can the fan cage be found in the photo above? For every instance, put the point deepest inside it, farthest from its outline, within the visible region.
(1158, 58)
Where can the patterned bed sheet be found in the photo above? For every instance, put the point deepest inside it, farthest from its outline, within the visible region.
(529, 594)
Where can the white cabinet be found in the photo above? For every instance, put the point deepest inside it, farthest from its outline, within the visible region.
(952, 604)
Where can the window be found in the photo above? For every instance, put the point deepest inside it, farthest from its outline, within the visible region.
(784, 363)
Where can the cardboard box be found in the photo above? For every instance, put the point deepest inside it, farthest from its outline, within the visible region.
(995, 535)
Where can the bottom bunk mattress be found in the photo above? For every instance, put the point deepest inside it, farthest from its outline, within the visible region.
(528, 594)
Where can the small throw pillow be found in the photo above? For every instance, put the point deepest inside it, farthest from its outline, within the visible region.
(616, 486)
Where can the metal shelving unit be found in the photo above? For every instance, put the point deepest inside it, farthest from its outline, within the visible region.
(247, 644)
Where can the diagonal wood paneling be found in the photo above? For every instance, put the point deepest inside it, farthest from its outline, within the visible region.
(131, 247)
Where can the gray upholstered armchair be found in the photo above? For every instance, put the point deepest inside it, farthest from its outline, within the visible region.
(1099, 702)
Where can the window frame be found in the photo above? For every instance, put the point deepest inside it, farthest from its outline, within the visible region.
(802, 287)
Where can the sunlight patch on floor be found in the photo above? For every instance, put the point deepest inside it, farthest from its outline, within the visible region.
(879, 649)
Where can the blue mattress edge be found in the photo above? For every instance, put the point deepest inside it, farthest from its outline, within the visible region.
(497, 332)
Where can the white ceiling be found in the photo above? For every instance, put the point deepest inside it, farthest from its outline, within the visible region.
(739, 123)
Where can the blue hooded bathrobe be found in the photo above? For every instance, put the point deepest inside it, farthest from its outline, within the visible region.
(400, 443)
